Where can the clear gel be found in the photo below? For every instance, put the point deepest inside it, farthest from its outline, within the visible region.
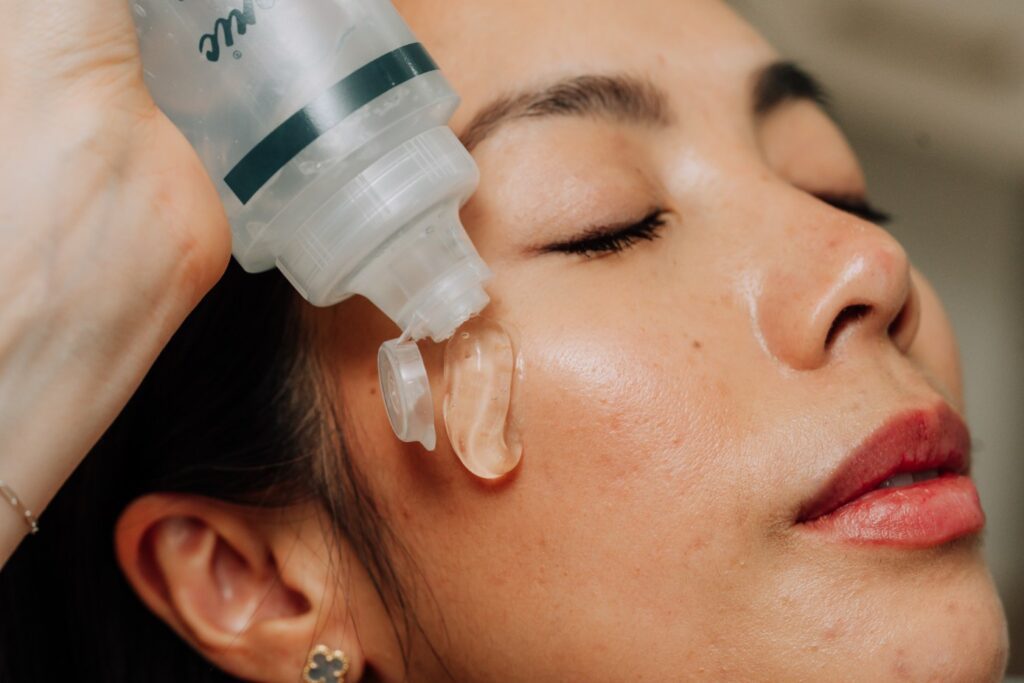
(481, 375)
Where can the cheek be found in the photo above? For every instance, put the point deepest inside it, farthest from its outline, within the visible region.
(630, 365)
(632, 402)
(624, 420)
(627, 445)
(625, 413)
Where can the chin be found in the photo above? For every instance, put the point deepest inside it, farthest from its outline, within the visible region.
(877, 615)
(951, 629)
(957, 636)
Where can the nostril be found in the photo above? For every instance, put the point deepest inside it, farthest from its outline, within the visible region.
(903, 329)
(898, 323)
(846, 316)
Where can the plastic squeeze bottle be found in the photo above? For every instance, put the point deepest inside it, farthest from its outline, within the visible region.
(323, 124)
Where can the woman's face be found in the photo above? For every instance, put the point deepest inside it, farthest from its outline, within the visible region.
(685, 397)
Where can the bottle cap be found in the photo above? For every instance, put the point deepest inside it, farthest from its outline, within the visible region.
(406, 391)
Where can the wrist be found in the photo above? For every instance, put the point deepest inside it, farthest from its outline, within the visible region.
(15, 501)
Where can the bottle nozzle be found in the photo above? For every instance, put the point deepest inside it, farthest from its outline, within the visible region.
(436, 311)
(429, 279)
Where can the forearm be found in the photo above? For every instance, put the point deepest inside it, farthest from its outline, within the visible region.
(55, 403)
(80, 324)
(111, 229)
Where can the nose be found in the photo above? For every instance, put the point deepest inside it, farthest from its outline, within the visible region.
(835, 281)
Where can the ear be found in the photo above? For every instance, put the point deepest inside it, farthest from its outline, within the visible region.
(250, 590)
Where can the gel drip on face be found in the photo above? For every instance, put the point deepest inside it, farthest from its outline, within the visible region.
(481, 376)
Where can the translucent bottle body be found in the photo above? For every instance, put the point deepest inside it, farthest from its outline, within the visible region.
(323, 125)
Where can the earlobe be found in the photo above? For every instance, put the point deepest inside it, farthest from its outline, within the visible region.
(212, 572)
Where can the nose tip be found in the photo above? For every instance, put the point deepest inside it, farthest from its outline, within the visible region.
(857, 290)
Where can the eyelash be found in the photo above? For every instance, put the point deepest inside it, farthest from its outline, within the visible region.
(648, 229)
(615, 241)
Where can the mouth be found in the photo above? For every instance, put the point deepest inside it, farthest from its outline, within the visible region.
(907, 484)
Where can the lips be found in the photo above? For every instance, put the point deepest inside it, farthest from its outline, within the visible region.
(905, 484)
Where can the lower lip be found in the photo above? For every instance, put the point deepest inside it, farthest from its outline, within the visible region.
(920, 515)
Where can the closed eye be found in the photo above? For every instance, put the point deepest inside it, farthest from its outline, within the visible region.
(609, 240)
(597, 242)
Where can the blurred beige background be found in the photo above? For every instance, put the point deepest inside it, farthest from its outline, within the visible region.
(931, 94)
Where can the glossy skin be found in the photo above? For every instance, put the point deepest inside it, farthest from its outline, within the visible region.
(681, 399)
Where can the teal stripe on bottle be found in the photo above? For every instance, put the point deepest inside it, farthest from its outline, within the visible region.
(326, 111)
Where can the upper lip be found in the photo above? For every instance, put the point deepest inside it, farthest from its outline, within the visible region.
(911, 441)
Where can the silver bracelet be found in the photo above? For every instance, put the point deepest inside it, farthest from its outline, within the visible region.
(14, 500)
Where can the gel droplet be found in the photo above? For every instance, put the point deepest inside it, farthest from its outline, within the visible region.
(480, 372)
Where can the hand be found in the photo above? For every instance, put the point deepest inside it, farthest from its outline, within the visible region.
(111, 233)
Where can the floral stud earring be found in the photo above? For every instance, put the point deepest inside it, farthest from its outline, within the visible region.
(325, 666)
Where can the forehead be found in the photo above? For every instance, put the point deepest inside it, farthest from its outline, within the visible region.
(489, 47)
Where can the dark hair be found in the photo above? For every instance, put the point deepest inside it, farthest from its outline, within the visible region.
(234, 409)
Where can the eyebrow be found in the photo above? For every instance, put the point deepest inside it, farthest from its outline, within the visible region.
(631, 99)
(621, 98)
(786, 81)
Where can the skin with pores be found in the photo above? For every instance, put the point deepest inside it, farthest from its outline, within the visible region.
(686, 395)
